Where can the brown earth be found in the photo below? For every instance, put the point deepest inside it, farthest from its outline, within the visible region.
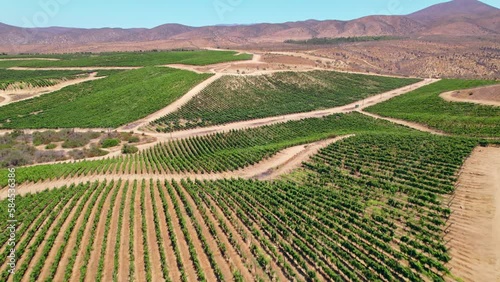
(489, 95)
(473, 231)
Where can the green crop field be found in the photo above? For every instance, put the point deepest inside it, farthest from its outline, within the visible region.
(35, 78)
(137, 59)
(120, 98)
(371, 208)
(233, 98)
(425, 106)
(215, 153)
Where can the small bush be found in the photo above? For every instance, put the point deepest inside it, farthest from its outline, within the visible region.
(133, 139)
(50, 146)
(108, 143)
(129, 149)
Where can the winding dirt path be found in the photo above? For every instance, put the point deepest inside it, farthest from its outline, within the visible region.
(473, 231)
(173, 106)
(410, 124)
(489, 96)
(39, 91)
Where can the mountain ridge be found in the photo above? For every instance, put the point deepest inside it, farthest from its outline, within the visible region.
(456, 18)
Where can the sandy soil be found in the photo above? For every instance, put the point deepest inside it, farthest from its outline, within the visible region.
(107, 274)
(474, 227)
(173, 269)
(124, 258)
(221, 262)
(154, 251)
(489, 95)
(409, 124)
(17, 95)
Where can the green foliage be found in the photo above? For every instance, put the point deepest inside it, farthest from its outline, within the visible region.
(50, 146)
(120, 98)
(234, 98)
(110, 142)
(340, 40)
(34, 78)
(133, 139)
(218, 152)
(425, 106)
(129, 149)
(130, 59)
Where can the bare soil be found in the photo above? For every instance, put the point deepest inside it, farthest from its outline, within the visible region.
(410, 124)
(489, 95)
(474, 226)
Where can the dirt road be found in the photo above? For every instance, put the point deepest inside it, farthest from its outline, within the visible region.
(474, 226)
(489, 96)
(77, 68)
(414, 125)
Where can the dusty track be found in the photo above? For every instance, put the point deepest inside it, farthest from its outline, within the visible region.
(474, 226)
(489, 96)
(410, 124)
(284, 161)
(173, 106)
(39, 91)
(30, 59)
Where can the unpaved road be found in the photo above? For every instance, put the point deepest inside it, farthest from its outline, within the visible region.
(489, 95)
(414, 125)
(173, 106)
(474, 230)
(282, 162)
(39, 91)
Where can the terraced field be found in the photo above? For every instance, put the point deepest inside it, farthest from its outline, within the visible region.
(236, 98)
(33, 78)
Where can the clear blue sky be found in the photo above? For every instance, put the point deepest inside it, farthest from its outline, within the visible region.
(151, 13)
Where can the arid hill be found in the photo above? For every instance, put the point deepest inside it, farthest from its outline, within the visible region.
(456, 18)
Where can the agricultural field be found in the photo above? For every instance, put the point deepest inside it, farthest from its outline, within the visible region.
(364, 199)
(102, 103)
(23, 79)
(426, 107)
(368, 208)
(122, 59)
(236, 98)
(214, 153)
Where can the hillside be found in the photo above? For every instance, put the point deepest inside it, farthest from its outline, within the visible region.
(456, 18)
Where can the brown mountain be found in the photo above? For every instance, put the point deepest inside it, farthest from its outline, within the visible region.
(457, 18)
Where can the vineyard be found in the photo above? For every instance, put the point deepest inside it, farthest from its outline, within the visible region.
(103, 103)
(369, 208)
(425, 106)
(134, 59)
(34, 78)
(236, 98)
(214, 153)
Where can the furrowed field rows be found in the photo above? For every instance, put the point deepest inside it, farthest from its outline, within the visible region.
(425, 106)
(24, 79)
(236, 98)
(367, 208)
(137, 59)
(103, 103)
(215, 153)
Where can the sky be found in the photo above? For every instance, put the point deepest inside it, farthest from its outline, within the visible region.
(151, 13)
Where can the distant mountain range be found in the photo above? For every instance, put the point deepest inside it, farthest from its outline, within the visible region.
(455, 18)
